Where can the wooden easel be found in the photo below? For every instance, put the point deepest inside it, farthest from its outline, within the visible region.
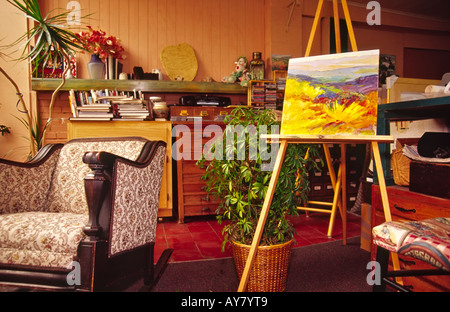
(338, 183)
(284, 140)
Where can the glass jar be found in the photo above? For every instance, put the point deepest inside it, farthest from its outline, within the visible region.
(257, 67)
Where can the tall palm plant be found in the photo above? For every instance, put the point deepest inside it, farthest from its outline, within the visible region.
(49, 39)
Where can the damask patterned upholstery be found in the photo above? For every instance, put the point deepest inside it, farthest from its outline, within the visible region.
(67, 190)
(136, 201)
(19, 190)
(43, 209)
(40, 239)
(427, 240)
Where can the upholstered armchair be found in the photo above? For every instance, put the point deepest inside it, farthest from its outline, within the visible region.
(82, 216)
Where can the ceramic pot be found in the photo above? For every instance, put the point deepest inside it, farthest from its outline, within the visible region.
(96, 67)
(160, 111)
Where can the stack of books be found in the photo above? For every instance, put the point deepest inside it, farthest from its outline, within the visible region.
(130, 109)
(271, 92)
(258, 94)
(281, 84)
(103, 105)
(84, 106)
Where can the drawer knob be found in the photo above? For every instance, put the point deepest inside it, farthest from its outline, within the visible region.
(206, 210)
(404, 209)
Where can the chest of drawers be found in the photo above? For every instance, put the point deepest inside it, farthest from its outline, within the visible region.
(192, 138)
(407, 205)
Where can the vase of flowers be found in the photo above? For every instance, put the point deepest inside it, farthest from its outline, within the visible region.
(96, 67)
(107, 49)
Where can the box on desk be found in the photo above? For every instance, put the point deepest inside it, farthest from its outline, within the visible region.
(430, 178)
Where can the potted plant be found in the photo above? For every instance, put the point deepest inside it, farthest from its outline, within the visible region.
(241, 185)
(48, 39)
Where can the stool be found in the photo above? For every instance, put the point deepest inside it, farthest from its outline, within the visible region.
(426, 240)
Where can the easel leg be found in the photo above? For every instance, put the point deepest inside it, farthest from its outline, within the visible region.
(337, 32)
(262, 218)
(337, 186)
(336, 202)
(351, 34)
(343, 209)
(314, 28)
(384, 196)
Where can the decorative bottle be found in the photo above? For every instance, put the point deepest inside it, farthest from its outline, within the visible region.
(257, 67)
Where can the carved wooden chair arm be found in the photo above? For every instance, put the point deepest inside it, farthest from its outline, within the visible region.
(98, 186)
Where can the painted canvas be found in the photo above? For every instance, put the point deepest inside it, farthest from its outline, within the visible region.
(332, 94)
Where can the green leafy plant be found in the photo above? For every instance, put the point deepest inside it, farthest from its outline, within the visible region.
(242, 184)
(48, 39)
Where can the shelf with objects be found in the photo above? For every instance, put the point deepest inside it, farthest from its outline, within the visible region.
(155, 86)
(267, 93)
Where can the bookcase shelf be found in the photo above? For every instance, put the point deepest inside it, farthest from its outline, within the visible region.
(45, 84)
(267, 93)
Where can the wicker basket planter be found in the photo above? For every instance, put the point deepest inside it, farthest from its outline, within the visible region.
(270, 267)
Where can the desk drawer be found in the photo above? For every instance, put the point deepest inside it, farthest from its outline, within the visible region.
(407, 205)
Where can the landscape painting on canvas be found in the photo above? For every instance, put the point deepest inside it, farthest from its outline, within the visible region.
(332, 94)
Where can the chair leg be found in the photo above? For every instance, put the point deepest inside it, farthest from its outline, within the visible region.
(383, 260)
(154, 272)
(161, 265)
(149, 272)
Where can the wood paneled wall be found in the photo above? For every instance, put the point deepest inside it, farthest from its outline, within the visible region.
(218, 30)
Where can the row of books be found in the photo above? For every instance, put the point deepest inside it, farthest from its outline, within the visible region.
(103, 105)
(271, 92)
(264, 93)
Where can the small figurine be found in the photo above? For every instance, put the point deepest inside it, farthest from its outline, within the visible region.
(241, 73)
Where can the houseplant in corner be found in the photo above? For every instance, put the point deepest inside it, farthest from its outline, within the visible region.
(49, 38)
(237, 176)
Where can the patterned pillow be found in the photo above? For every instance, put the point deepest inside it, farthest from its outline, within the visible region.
(427, 240)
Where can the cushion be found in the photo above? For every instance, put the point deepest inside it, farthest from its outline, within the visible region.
(67, 190)
(19, 190)
(40, 238)
(427, 240)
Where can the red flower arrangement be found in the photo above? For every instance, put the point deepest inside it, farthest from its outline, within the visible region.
(96, 42)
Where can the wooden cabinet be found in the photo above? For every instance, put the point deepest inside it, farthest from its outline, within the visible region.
(407, 205)
(152, 130)
(320, 182)
(190, 142)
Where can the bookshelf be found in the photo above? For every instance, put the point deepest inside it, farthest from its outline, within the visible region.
(267, 93)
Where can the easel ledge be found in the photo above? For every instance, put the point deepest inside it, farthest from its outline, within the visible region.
(321, 139)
